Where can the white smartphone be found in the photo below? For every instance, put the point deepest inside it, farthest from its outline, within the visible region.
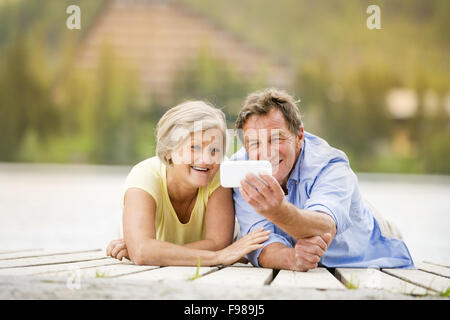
(232, 172)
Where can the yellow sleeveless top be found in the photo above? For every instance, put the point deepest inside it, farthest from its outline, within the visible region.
(150, 176)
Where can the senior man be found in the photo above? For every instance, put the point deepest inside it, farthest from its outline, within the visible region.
(311, 203)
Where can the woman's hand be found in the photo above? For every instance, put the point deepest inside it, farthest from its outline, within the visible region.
(117, 249)
(243, 246)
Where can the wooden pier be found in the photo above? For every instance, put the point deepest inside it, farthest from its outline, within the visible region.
(90, 274)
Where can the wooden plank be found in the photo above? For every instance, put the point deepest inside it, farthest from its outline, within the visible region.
(42, 269)
(421, 278)
(375, 279)
(18, 253)
(114, 288)
(107, 271)
(236, 276)
(245, 265)
(53, 259)
(442, 264)
(436, 269)
(39, 253)
(170, 274)
(319, 278)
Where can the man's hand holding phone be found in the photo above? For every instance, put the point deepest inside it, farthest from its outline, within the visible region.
(262, 192)
(255, 182)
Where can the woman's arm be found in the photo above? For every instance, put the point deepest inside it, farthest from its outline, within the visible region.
(219, 221)
(144, 249)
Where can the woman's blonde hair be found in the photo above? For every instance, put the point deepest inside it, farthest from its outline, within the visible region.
(179, 122)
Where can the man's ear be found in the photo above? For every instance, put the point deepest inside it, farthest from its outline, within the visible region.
(300, 133)
(299, 138)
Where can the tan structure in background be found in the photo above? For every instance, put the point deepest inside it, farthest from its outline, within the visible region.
(160, 37)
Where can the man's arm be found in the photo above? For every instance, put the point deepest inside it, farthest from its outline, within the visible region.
(303, 257)
(268, 200)
(301, 223)
(277, 256)
(278, 251)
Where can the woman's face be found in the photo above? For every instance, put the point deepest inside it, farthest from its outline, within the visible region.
(198, 159)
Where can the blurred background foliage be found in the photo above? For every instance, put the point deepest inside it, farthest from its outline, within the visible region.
(50, 111)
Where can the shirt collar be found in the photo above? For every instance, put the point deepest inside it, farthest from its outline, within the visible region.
(295, 174)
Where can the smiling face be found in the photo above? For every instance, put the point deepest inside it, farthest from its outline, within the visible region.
(267, 137)
(198, 159)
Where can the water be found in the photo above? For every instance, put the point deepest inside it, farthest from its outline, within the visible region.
(419, 206)
(76, 207)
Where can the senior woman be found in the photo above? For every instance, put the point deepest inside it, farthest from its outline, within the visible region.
(174, 210)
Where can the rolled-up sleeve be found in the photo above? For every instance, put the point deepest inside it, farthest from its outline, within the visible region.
(331, 193)
(250, 220)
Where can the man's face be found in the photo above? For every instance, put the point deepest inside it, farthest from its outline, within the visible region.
(267, 137)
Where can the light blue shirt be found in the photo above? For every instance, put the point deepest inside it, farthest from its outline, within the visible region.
(322, 180)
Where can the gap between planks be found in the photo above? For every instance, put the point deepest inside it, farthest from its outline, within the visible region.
(103, 271)
(358, 278)
(427, 280)
(169, 273)
(35, 253)
(441, 264)
(434, 268)
(53, 268)
(52, 259)
(18, 252)
(239, 273)
(319, 278)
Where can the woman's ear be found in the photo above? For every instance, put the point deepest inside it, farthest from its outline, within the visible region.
(168, 158)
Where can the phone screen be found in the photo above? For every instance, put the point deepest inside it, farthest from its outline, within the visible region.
(232, 172)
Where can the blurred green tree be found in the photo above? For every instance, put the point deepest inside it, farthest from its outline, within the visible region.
(208, 78)
(348, 110)
(51, 112)
(25, 103)
(104, 120)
